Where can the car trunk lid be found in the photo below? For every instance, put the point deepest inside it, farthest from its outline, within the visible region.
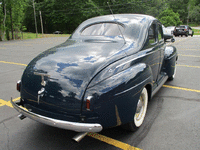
(56, 79)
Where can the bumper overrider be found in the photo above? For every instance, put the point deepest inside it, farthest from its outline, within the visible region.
(74, 126)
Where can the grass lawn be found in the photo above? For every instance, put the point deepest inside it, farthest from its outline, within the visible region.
(196, 31)
(28, 35)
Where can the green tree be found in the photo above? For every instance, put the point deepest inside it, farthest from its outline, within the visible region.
(11, 16)
(1, 21)
(66, 15)
(155, 7)
(169, 18)
(180, 7)
(194, 11)
(195, 14)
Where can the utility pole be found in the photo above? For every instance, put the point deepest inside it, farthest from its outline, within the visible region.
(41, 22)
(35, 20)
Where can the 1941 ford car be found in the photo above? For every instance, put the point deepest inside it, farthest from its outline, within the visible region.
(102, 76)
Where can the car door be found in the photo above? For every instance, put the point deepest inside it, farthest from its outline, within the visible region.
(153, 52)
(161, 45)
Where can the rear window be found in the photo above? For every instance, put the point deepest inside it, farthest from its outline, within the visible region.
(103, 29)
(182, 27)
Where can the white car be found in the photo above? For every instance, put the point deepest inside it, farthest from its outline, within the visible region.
(171, 28)
(168, 34)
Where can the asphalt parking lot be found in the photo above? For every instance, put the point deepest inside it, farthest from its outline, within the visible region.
(172, 120)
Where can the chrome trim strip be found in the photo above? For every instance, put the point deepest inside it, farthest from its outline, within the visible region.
(74, 126)
(140, 56)
(133, 87)
(130, 60)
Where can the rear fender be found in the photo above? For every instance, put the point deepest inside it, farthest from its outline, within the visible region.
(114, 100)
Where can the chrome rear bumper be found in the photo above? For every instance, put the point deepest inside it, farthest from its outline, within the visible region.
(74, 126)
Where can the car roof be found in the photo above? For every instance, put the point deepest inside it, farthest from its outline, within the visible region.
(122, 18)
(132, 22)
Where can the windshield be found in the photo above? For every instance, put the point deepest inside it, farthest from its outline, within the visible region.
(103, 29)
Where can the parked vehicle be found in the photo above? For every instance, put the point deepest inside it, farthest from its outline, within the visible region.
(183, 30)
(168, 34)
(102, 76)
(171, 28)
(57, 32)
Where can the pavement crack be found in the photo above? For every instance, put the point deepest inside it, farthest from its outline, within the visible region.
(7, 133)
(2, 122)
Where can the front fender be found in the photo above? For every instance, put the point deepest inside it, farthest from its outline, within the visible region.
(170, 51)
(114, 100)
(170, 59)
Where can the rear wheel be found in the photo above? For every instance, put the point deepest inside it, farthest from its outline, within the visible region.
(140, 112)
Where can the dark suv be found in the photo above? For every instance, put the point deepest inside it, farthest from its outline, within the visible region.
(183, 30)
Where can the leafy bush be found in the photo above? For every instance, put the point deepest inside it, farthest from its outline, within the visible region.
(169, 18)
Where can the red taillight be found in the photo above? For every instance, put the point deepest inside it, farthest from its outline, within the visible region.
(88, 102)
(185, 29)
(19, 85)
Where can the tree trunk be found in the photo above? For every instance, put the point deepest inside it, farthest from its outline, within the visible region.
(4, 22)
(11, 23)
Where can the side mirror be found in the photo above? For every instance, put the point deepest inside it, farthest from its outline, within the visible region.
(172, 40)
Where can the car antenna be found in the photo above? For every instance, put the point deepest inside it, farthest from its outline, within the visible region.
(117, 23)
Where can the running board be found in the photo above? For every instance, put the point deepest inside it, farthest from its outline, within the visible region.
(160, 85)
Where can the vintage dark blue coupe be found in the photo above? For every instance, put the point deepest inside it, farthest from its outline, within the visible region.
(102, 76)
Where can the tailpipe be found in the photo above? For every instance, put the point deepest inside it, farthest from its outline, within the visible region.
(79, 136)
(20, 116)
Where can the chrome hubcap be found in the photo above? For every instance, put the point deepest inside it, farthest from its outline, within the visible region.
(141, 108)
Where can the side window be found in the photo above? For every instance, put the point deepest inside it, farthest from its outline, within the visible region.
(160, 33)
(152, 34)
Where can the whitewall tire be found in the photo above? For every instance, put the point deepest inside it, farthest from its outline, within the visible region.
(140, 112)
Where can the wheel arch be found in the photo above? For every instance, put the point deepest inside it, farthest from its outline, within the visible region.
(149, 90)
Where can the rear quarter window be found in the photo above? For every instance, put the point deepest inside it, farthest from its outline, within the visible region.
(152, 34)
(160, 33)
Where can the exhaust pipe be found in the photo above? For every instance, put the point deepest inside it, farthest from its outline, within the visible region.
(79, 136)
(20, 116)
